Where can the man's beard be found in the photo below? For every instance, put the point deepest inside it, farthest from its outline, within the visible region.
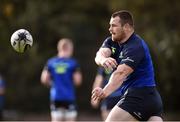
(119, 38)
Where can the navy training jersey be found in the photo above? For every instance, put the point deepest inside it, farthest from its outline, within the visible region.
(134, 53)
(106, 75)
(61, 71)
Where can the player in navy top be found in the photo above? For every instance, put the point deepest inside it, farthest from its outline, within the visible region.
(61, 73)
(127, 55)
(107, 104)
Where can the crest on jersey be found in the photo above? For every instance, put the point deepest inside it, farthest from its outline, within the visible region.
(121, 55)
(113, 50)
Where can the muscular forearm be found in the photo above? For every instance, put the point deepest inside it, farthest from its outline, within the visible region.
(98, 81)
(114, 83)
(101, 55)
(117, 78)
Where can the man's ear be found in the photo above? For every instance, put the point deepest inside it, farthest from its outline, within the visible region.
(126, 26)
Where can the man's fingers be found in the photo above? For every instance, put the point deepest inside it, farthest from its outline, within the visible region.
(97, 93)
(94, 94)
(105, 65)
(94, 98)
(94, 91)
(113, 62)
(110, 63)
(101, 95)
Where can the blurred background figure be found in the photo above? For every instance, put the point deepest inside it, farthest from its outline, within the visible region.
(62, 73)
(2, 92)
(107, 104)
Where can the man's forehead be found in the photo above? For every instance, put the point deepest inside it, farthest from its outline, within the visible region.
(114, 20)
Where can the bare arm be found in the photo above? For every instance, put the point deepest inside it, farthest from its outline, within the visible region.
(103, 59)
(45, 77)
(77, 78)
(102, 54)
(115, 81)
(97, 83)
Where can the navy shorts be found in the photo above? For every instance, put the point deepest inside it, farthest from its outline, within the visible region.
(63, 104)
(142, 103)
(109, 102)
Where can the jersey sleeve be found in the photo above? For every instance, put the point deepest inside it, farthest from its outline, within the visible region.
(133, 55)
(76, 66)
(107, 43)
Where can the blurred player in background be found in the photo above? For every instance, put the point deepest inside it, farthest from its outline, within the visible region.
(2, 92)
(101, 79)
(108, 103)
(62, 73)
(128, 56)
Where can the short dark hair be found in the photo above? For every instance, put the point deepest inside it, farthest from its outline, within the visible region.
(125, 16)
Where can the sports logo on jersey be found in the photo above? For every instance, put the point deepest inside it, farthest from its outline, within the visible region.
(113, 50)
(121, 55)
(128, 59)
(61, 68)
(125, 59)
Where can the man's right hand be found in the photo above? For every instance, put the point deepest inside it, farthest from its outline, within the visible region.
(109, 63)
(94, 103)
(97, 94)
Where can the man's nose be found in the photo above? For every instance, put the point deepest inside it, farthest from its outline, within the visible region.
(110, 28)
